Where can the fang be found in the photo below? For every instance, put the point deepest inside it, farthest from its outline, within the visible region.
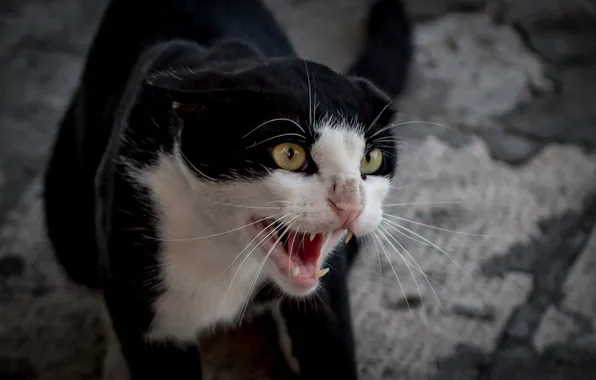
(321, 272)
(349, 236)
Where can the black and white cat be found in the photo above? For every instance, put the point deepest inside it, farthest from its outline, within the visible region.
(202, 163)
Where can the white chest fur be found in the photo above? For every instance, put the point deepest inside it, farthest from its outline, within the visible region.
(192, 304)
(203, 283)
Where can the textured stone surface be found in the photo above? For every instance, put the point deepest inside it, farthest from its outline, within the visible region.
(497, 243)
(562, 31)
(573, 319)
(340, 22)
(566, 237)
(42, 47)
(475, 71)
(428, 9)
(509, 147)
(29, 111)
(567, 115)
(471, 74)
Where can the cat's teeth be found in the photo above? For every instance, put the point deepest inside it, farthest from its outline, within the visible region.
(312, 236)
(321, 272)
(349, 236)
(296, 271)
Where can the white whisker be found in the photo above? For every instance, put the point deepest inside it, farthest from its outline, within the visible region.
(385, 147)
(391, 139)
(420, 203)
(276, 137)
(249, 294)
(326, 242)
(386, 236)
(303, 240)
(258, 244)
(381, 131)
(439, 228)
(372, 124)
(412, 185)
(194, 167)
(399, 229)
(401, 142)
(395, 273)
(274, 120)
(379, 258)
(212, 235)
(416, 265)
(414, 238)
(243, 206)
(310, 105)
(291, 247)
(275, 229)
(401, 123)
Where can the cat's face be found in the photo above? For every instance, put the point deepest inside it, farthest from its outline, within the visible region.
(303, 162)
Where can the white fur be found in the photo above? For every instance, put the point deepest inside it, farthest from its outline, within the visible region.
(194, 265)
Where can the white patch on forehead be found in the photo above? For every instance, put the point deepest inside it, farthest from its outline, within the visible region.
(339, 149)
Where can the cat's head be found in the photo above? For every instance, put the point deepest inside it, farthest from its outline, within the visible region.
(300, 155)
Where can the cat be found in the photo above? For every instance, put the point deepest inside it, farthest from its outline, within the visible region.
(202, 167)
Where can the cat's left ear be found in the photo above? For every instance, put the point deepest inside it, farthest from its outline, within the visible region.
(171, 76)
(180, 96)
(375, 93)
(165, 75)
(170, 86)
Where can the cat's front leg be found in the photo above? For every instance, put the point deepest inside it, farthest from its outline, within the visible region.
(316, 335)
(146, 359)
(162, 360)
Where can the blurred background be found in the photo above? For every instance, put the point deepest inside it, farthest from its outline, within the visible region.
(497, 186)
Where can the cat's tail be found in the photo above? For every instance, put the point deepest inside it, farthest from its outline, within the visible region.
(387, 53)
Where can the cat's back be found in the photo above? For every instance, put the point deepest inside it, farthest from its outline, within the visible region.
(128, 29)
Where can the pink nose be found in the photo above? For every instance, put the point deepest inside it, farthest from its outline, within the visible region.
(346, 212)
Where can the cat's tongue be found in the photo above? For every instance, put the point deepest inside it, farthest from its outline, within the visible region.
(304, 258)
(306, 250)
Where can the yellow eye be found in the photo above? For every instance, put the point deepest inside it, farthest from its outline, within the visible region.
(289, 156)
(371, 162)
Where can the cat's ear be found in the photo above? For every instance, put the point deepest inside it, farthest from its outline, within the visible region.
(169, 88)
(171, 74)
(375, 93)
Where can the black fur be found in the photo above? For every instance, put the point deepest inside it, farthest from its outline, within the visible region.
(210, 57)
(276, 89)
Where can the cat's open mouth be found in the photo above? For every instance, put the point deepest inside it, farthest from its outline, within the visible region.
(298, 256)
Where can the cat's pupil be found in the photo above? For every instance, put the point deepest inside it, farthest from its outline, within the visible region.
(367, 157)
(290, 153)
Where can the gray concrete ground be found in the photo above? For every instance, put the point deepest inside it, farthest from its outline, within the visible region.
(497, 186)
